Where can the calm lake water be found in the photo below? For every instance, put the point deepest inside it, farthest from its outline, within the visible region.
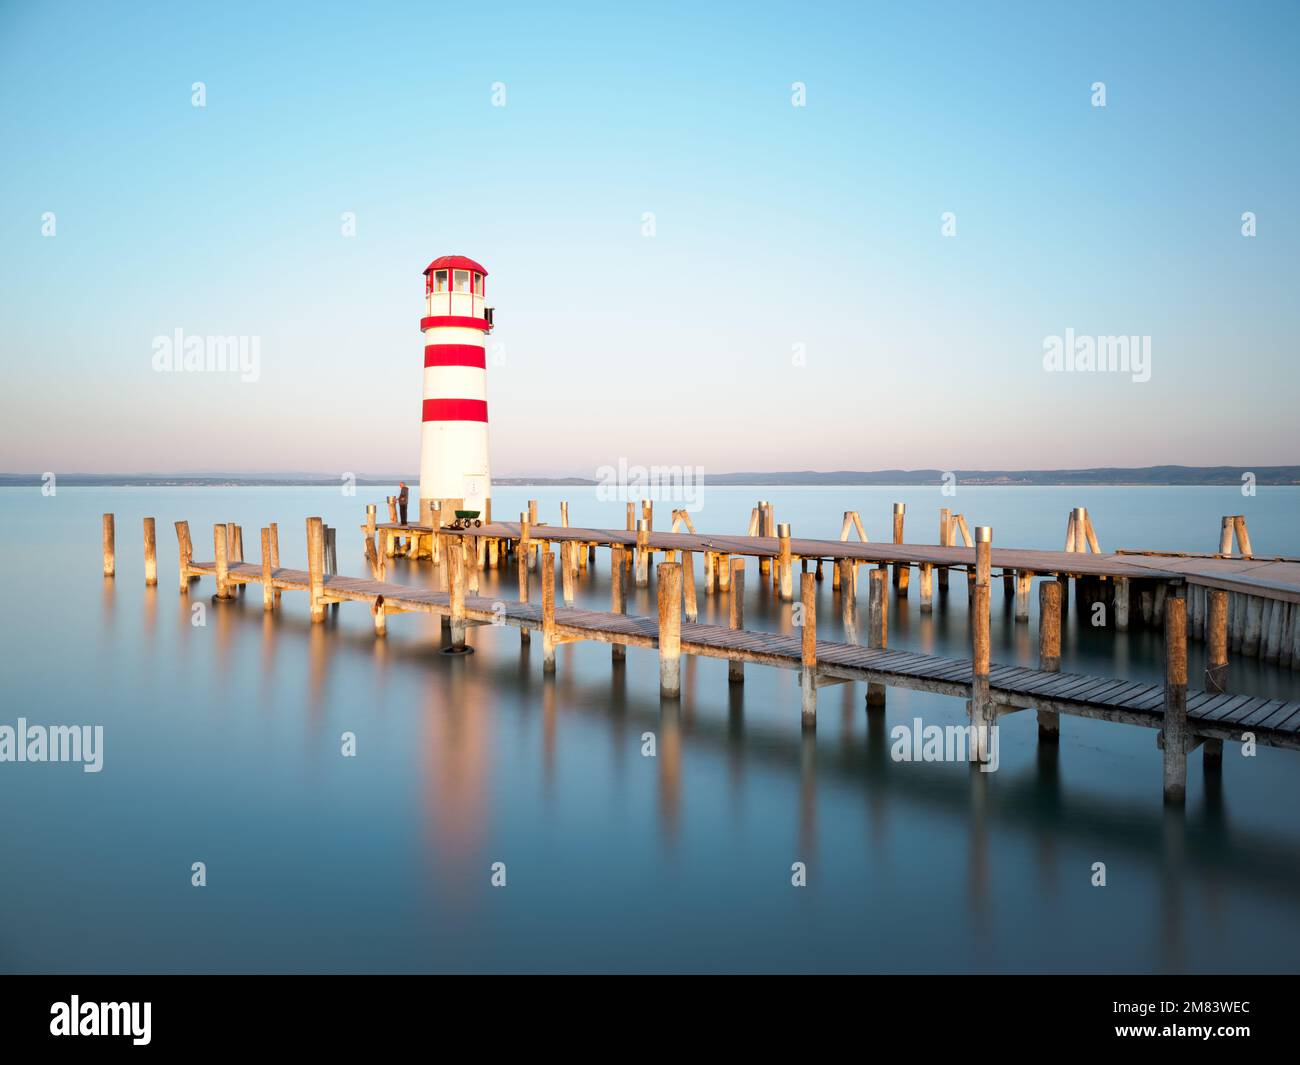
(222, 745)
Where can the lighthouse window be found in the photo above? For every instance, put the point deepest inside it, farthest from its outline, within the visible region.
(462, 280)
(478, 284)
(440, 281)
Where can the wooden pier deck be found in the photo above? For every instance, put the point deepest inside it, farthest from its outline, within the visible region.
(1185, 717)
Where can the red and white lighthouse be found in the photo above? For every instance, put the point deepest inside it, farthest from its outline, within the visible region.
(454, 468)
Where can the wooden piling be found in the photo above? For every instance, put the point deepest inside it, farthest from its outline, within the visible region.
(642, 553)
(110, 547)
(767, 525)
(983, 554)
(927, 587)
(1121, 608)
(945, 540)
(275, 551)
(566, 570)
(783, 558)
(1243, 536)
(268, 587)
(722, 570)
(848, 598)
(1049, 653)
(221, 559)
(457, 564)
(981, 708)
(547, 564)
(380, 615)
(1216, 666)
(1226, 527)
(185, 551)
(688, 586)
(535, 553)
(902, 571)
(1175, 732)
(618, 597)
(1024, 589)
(877, 628)
(808, 648)
(736, 618)
(150, 552)
(564, 514)
(670, 628)
(316, 567)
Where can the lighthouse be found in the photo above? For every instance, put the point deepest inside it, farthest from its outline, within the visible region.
(454, 467)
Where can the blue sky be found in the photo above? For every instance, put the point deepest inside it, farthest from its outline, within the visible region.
(775, 226)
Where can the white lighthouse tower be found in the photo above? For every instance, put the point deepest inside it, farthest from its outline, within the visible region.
(454, 467)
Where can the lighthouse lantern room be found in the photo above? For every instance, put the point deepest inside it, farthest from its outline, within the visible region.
(454, 470)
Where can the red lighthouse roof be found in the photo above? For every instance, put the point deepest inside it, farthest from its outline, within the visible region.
(455, 262)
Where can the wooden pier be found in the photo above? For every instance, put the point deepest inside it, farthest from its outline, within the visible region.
(1184, 716)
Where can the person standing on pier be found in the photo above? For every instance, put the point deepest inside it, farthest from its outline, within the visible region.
(402, 497)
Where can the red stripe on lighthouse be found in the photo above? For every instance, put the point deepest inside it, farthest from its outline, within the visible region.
(455, 410)
(455, 355)
(456, 321)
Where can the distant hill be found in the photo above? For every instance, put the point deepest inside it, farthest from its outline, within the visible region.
(1102, 475)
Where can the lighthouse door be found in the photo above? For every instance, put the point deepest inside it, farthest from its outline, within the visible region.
(475, 491)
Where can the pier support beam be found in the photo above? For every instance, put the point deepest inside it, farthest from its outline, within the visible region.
(927, 587)
(786, 574)
(670, 629)
(1049, 653)
(736, 619)
(1175, 734)
(877, 628)
(808, 647)
(1121, 604)
(457, 564)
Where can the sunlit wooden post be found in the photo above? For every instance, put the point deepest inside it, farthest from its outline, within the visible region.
(150, 552)
(268, 582)
(808, 649)
(783, 561)
(617, 593)
(1175, 733)
(877, 628)
(185, 549)
(1216, 669)
(547, 564)
(902, 570)
(736, 620)
(110, 547)
(670, 628)
(221, 559)
(1049, 652)
(316, 567)
(848, 583)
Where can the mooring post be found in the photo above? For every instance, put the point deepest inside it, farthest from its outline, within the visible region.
(547, 563)
(372, 522)
(564, 514)
(392, 540)
(380, 615)
(736, 618)
(688, 586)
(848, 597)
(535, 553)
(1049, 653)
(642, 553)
(670, 628)
(457, 563)
(1216, 668)
(110, 547)
(1175, 732)
(786, 573)
(983, 555)
(316, 567)
(877, 628)
(902, 570)
(1071, 532)
(221, 559)
(927, 587)
(521, 564)
(268, 589)
(1090, 533)
(275, 552)
(617, 594)
(808, 648)
(185, 549)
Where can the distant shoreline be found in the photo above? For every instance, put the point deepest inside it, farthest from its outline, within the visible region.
(1105, 477)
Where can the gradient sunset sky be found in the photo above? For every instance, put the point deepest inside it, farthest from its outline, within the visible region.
(775, 227)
